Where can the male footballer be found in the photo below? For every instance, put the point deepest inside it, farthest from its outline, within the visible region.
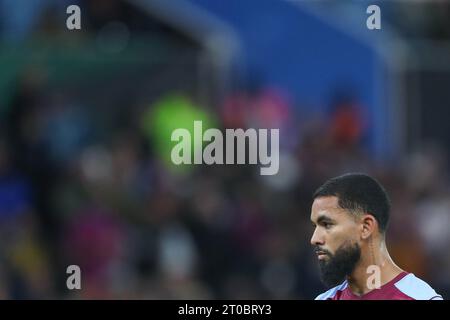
(350, 214)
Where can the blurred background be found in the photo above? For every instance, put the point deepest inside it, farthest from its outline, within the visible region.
(85, 123)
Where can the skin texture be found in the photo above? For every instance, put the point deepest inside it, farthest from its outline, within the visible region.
(336, 228)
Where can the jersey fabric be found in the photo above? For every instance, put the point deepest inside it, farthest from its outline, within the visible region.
(405, 286)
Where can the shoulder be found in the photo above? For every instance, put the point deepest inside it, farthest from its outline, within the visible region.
(332, 292)
(416, 288)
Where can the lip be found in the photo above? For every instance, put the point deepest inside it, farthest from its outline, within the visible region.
(321, 255)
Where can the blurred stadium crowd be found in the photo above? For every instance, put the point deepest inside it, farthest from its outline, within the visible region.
(89, 184)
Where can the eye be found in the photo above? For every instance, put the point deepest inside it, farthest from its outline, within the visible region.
(327, 225)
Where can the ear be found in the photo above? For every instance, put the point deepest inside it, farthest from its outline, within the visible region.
(369, 226)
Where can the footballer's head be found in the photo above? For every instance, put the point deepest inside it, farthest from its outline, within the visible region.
(348, 212)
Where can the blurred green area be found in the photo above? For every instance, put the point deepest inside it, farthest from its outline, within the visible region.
(62, 62)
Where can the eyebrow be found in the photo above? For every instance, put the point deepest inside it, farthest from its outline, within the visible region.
(323, 218)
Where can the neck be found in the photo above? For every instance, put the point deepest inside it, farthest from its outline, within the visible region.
(376, 254)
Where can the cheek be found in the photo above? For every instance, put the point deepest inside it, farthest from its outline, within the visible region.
(341, 235)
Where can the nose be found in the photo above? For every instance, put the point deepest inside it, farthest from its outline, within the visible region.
(317, 238)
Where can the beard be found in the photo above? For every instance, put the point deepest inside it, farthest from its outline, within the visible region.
(340, 264)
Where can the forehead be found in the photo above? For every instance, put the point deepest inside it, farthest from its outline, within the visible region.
(325, 206)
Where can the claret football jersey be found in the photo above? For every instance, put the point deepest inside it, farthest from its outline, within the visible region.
(405, 286)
